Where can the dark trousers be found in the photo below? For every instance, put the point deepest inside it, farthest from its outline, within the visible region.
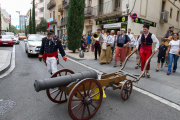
(97, 47)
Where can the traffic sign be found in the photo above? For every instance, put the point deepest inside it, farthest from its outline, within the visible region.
(134, 16)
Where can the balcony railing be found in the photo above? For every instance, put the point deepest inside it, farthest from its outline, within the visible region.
(62, 21)
(51, 4)
(112, 6)
(60, 8)
(41, 15)
(65, 4)
(88, 11)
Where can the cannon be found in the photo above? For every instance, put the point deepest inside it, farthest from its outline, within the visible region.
(84, 90)
(63, 81)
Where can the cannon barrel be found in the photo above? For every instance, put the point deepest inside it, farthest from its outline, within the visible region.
(63, 80)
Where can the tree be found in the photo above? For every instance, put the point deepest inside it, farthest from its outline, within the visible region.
(42, 26)
(30, 25)
(13, 29)
(10, 27)
(0, 21)
(75, 23)
(33, 19)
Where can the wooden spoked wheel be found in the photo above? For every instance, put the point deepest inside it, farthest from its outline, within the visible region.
(89, 100)
(126, 89)
(56, 95)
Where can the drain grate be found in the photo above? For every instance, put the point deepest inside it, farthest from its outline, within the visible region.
(6, 106)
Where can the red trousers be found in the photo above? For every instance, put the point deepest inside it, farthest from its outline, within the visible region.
(145, 54)
(120, 51)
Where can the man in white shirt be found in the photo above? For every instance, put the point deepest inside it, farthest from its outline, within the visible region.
(131, 45)
(146, 40)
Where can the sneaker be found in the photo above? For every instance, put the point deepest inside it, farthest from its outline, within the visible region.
(95, 59)
(161, 68)
(174, 71)
(157, 70)
(168, 73)
(115, 65)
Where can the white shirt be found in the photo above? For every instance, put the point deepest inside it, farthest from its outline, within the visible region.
(114, 38)
(153, 37)
(174, 46)
(131, 36)
(108, 39)
(135, 43)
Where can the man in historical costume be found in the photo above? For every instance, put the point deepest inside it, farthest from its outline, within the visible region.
(106, 55)
(131, 44)
(49, 52)
(167, 38)
(146, 40)
(122, 41)
(138, 59)
(98, 44)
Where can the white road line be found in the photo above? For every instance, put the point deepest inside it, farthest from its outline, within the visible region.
(162, 100)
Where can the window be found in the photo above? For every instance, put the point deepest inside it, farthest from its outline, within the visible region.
(177, 19)
(53, 14)
(50, 15)
(171, 12)
(163, 6)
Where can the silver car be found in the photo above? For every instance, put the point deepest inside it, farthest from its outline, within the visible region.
(33, 44)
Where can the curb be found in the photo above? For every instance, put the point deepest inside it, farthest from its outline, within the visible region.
(7, 65)
(75, 58)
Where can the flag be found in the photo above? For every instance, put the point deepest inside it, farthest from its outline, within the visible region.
(18, 12)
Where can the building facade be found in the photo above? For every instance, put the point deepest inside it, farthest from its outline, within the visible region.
(115, 14)
(5, 20)
(22, 22)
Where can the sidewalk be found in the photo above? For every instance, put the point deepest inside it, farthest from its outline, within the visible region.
(5, 60)
(167, 87)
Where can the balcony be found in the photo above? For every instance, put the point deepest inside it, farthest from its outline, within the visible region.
(60, 8)
(88, 11)
(41, 15)
(41, 5)
(164, 17)
(107, 9)
(51, 4)
(62, 21)
(65, 4)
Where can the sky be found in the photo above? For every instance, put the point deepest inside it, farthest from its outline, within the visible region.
(11, 6)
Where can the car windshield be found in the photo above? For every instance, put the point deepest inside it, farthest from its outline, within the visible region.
(21, 34)
(8, 33)
(35, 37)
(6, 37)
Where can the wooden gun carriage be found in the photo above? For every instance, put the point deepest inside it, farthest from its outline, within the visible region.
(84, 94)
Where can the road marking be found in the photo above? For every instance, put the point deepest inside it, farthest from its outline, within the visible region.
(12, 66)
(162, 100)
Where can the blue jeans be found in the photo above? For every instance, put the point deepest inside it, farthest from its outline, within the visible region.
(172, 57)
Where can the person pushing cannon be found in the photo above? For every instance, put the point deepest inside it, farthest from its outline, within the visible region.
(49, 52)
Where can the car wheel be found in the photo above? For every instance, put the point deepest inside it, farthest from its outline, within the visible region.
(29, 55)
(26, 50)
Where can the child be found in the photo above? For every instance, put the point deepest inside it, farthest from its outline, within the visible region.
(161, 55)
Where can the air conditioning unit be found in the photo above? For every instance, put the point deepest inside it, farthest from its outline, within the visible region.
(164, 17)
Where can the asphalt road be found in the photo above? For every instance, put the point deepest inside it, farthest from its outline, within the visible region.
(30, 105)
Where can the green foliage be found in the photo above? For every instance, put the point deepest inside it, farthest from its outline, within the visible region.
(10, 27)
(13, 29)
(30, 24)
(42, 26)
(7, 30)
(75, 23)
(33, 19)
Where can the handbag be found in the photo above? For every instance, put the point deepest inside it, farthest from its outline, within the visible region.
(104, 46)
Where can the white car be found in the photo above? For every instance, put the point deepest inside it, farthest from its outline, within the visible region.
(33, 44)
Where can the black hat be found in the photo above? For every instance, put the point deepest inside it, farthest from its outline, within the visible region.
(98, 29)
(107, 31)
(146, 26)
(51, 31)
(171, 27)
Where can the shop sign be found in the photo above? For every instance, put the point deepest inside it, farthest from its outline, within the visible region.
(112, 20)
(114, 25)
(143, 21)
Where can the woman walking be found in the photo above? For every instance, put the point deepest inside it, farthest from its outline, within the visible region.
(89, 41)
(173, 52)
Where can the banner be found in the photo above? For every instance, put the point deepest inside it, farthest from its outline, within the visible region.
(112, 20)
(143, 21)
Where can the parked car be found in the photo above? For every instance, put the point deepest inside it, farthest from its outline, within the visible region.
(22, 36)
(15, 39)
(33, 44)
(6, 40)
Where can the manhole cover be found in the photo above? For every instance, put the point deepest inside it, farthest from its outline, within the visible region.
(6, 106)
